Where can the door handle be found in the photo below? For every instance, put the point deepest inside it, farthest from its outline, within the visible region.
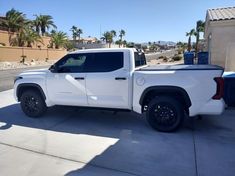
(120, 78)
(79, 78)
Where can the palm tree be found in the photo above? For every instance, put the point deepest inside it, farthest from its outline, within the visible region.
(14, 20)
(118, 42)
(79, 32)
(189, 35)
(76, 32)
(114, 33)
(124, 43)
(59, 39)
(122, 33)
(32, 37)
(36, 23)
(45, 22)
(26, 37)
(108, 37)
(199, 28)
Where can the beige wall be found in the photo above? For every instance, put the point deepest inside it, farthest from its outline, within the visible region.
(14, 54)
(4, 38)
(221, 43)
(230, 57)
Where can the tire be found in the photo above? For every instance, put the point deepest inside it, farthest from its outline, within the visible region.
(165, 114)
(32, 103)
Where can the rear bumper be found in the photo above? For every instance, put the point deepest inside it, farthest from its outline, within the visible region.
(212, 107)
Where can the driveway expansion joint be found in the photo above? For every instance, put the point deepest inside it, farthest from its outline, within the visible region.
(194, 146)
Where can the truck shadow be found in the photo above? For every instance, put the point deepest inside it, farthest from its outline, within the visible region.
(139, 150)
(58, 115)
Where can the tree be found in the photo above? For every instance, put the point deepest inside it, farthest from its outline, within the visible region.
(79, 34)
(108, 37)
(114, 33)
(200, 27)
(124, 43)
(36, 24)
(32, 37)
(76, 32)
(130, 45)
(14, 20)
(70, 46)
(118, 42)
(181, 47)
(26, 37)
(44, 22)
(122, 33)
(59, 39)
(189, 35)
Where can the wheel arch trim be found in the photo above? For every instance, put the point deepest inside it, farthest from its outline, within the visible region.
(166, 89)
(28, 85)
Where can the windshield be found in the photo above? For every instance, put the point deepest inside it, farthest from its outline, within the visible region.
(140, 59)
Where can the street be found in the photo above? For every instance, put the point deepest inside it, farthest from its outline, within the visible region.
(7, 76)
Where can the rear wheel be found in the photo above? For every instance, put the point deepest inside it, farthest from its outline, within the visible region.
(165, 114)
(32, 103)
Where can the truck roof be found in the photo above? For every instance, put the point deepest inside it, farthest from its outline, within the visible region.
(104, 50)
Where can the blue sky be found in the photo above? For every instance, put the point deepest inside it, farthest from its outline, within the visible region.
(143, 20)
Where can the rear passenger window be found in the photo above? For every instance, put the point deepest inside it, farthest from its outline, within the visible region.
(140, 59)
(105, 62)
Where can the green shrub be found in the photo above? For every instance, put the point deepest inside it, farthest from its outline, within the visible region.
(177, 58)
(2, 44)
(161, 57)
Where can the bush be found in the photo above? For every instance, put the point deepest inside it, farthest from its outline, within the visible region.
(180, 51)
(177, 57)
(165, 59)
(161, 57)
(2, 44)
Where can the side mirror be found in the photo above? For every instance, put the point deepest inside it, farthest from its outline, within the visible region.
(53, 69)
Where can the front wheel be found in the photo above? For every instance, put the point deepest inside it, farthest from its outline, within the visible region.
(165, 114)
(32, 103)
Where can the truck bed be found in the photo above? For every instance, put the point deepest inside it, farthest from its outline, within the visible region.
(180, 67)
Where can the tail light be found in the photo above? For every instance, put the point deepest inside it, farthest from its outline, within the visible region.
(219, 88)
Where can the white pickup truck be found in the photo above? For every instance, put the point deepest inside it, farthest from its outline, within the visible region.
(119, 79)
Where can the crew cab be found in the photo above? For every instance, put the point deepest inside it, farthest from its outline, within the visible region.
(120, 79)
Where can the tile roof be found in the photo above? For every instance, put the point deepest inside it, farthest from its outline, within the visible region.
(218, 14)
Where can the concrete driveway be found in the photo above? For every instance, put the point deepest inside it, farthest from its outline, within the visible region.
(72, 141)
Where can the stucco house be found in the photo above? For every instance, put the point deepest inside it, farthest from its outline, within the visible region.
(220, 37)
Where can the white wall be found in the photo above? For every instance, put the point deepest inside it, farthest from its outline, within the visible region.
(95, 45)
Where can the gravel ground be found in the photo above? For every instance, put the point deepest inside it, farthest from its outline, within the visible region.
(16, 65)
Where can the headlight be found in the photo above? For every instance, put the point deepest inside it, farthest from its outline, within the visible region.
(17, 78)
